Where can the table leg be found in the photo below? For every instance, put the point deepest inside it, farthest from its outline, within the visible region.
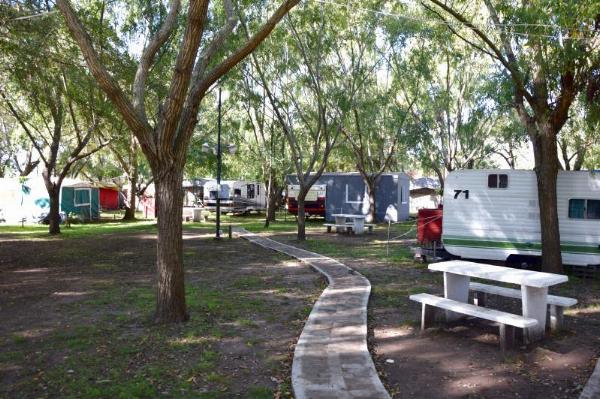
(340, 221)
(359, 226)
(534, 307)
(456, 287)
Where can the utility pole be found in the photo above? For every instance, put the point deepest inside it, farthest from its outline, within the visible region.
(218, 232)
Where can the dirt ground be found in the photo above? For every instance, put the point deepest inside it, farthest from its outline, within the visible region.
(462, 360)
(74, 323)
(74, 319)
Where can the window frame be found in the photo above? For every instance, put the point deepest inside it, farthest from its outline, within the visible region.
(498, 180)
(89, 191)
(585, 209)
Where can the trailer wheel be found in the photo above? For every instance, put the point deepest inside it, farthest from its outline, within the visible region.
(528, 262)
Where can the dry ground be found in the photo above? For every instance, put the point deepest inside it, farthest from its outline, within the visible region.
(462, 360)
(74, 318)
(73, 322)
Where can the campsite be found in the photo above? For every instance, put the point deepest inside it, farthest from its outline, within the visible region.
(308, 199)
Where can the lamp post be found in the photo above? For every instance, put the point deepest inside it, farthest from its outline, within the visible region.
(217, 150)
(218, 232)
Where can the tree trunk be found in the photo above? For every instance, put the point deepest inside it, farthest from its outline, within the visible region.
(301, 216)
(54, 197)
(54, 215)
(271, 199)
(372, 216)
(273, 193)
(546, 169)
(170, 298)
(133, 179)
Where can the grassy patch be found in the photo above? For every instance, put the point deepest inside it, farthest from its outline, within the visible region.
(80, 230)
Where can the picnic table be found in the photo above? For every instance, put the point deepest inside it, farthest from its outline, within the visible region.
(357, 221)
(534, 288)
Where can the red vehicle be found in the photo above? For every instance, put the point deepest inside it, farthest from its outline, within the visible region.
(314, 203)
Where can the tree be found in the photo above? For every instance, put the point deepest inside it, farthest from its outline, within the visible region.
(303, 91)
(578, 138)
(549, 53)
(265, 139)
(16, 152)
(453, 117)
(376, 112)
(199, 64)
(51, 100)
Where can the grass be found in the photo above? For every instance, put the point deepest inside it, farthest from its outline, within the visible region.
(80, 230)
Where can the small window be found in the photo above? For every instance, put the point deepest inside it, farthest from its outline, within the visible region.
(503, 181)
(593, 209)
(82, 196)
(237, 192)
(497, 181)
(584, 209)
(258, 190)
(250, 191)
(577, 209)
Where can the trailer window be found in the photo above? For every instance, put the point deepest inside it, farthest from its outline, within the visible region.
(497, 180)
(502, 181)
(577, 209)
(250, 191)
(593, 209)
(584, 209)
(237, 192)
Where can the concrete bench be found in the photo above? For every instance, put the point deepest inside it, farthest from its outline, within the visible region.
(506, 321)
(347, 228)
(367, 225)
(556, 303)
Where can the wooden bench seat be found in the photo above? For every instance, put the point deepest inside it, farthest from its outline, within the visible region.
(506, 321)
(556, 303)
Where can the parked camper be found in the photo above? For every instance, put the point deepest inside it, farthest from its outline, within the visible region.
(194, 191)
(314, 203)
(494, 214)
(23, 200)
(237, 196)
(81, 199)
(347, 193)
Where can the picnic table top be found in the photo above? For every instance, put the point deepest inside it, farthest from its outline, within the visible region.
(348, 215)
(528, 278)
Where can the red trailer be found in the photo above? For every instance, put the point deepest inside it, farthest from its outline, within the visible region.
(109, 198)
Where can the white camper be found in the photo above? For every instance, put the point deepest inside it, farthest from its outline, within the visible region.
(237, 196)
(494, 214)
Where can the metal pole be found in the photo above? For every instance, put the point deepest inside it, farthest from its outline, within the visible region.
(218, 232)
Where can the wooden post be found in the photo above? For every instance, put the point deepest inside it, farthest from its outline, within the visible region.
(229, 231)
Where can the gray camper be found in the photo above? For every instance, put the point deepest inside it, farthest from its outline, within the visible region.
(347, 193)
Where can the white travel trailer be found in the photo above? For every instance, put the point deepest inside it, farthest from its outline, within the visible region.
(237, 196)
(494, 214)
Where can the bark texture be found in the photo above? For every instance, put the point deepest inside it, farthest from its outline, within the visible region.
(170, 287)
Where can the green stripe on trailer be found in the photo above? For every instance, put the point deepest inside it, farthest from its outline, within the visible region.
(520, 245)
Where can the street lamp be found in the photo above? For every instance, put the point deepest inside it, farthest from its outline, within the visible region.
(217, 150)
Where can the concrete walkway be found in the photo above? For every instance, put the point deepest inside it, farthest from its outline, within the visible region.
(592, 388)
(331, 359)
